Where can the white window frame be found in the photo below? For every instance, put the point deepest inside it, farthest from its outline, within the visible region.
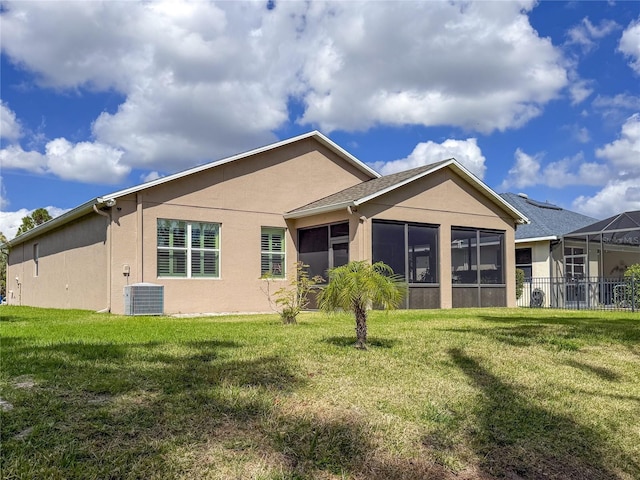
(189, 249)
(272, 252)
(36, 259)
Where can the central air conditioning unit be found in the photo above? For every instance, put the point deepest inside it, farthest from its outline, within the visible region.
(144, 299)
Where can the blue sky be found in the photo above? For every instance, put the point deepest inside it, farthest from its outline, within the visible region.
(541, 98)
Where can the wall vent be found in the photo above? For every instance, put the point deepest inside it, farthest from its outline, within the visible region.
(144, 299)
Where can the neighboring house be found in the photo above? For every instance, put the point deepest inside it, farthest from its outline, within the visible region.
(209, 234)
(539, 249)
(571, 260)
(608, 246)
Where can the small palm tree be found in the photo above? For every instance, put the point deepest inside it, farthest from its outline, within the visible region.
(356, 287)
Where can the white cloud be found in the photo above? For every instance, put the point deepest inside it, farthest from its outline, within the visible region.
(630, 45)
(528, 171)
(4, 201)
(618, 173)
(10, 128)
(525, 171)
(574, 171)
(581, 134)
(616, 197)
(622, 191)
(586, 32)
(429, 71)
(10, 221)
(84, 161)
(580, 90)
(622, 101)
(150, 176)
(14, 157)
(466, 152)
(616, 109)
(219, 77)
(624, 153)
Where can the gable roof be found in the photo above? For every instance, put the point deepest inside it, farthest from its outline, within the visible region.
(548, 221)
(322, 139)
(109, 200)
(366, 191)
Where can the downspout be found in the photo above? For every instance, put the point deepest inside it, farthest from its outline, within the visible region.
(108, 217)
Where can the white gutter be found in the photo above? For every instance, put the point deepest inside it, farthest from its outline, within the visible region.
(537, 239)
(520, 218)
(317, 210)
(77, 212)
(109, 253)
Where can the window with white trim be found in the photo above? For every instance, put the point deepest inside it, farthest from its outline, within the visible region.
(524, 261)
(36, 259)
(188, 249)
(272, 252)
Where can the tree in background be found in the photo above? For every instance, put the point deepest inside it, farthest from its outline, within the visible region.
(37, 217)
(357, 287)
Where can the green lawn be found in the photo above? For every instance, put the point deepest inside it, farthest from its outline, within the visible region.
(456, 394)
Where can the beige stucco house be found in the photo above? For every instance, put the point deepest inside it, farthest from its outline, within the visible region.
(209, 234)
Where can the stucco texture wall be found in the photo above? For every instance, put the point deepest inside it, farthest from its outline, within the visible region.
(242, 197)
(447, 200)
(72, 267)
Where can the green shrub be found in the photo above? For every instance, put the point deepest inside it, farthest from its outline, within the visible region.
(519, 282)
(292, 298)
(632, 280)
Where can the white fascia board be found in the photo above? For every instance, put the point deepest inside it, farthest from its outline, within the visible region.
(320, 137)
(66, 217)
(88, 206)
(343, 153)
(519, 216)
(379, 193)
(550, 238)
(319, 210)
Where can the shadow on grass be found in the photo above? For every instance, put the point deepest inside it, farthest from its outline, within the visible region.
(569, 334)
(343, 447)
(159, 410)
(517, 439)
(344, 341)
(116, 410)
(14, 318)
(600, 372)
(622, 329)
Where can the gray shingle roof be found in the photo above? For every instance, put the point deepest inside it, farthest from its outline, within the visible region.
(367, 189)
(546, 219)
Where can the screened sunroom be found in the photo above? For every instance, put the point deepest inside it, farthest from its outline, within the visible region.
(592, 261)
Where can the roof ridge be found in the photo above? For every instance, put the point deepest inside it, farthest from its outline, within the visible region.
(402, 175)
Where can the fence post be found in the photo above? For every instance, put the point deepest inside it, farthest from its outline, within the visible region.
(633, 292)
